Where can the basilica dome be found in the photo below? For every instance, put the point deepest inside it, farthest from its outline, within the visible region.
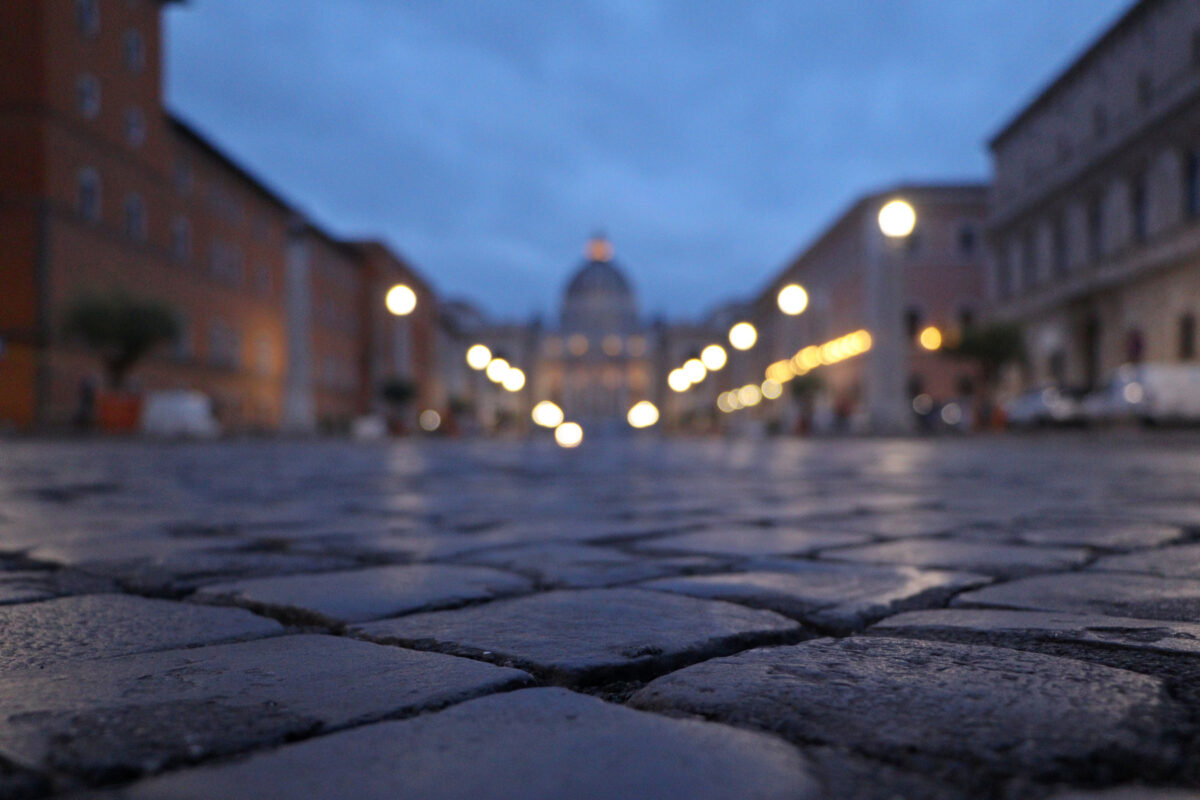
(598, 299)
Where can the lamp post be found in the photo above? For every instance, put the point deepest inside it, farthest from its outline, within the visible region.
(887, 364)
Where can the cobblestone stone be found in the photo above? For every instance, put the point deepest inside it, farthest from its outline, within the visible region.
(579, 637)
(539, 744)
(1033, 608)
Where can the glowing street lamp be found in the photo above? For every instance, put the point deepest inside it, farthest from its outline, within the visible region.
(743, 336)
(478, 356)
(400, 300)
(497, 369)
(693, 370)
(547, 414)
(713, 357)
(931, 338)
(514, 380)
(897, 219)
(678, 381)
(643, 414)
(792, 299)
(568, 434)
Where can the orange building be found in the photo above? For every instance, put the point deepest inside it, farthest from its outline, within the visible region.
(100, 188)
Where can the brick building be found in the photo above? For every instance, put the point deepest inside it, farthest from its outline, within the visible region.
(100, 188)
(1095, 227)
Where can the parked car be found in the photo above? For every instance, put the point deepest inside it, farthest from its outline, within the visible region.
(1149, 393)
(1044, 406)
(179, 413)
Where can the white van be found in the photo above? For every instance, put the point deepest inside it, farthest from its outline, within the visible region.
(1149, 393)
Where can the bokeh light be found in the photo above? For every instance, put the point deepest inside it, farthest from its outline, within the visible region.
(514, 380)
(547, 414)
(678, 381)
(497, 369)
(771, 389)
(478, 356)
(693, 370)
(931, 338)
(568, 434)
(749, 395)
(643, 414)
(897, 219)
(743, 336)
(429, 420)
(400, 300)
(713, 357)
(792, 299)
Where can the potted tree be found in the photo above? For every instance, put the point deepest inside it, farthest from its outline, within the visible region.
(396, 394)
(121, 328)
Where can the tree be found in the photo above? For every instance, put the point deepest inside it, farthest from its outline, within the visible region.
(121, 328)
(992, 346)
(398, 392)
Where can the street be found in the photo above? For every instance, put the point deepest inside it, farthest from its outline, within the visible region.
(1008, 616)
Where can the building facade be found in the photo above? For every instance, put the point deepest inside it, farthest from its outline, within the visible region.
(857, 280)
(1095, 227)
(101, 189)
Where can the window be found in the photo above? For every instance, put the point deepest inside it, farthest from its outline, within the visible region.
(183, 176)
(912, 321)
(1100, 121)
(966, 318)
(185, 346)
(1029, 277)
(134, 52)
(1059, 243)
(1140, 211)
(1187, 337)
(225, 263)
(87, 195)
(224, 344)
(1191, 200)
(87, 96)
(87, 17)
(264, 355)
(135, 127)
(967, 240)
(1095, 226)
(1135, 345)
(181, 239)
(135, 218)
(1003, 279)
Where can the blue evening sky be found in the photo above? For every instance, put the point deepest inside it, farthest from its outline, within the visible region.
(711, 139)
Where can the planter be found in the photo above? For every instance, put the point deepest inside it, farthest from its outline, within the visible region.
(118, 412)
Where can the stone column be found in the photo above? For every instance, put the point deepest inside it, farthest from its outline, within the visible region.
(299, 401)
(887, 362)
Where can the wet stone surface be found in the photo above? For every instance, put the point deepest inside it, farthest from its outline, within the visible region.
(588, 636)
(930, 619)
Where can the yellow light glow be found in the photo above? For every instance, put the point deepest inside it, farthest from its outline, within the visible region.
(611, 345)
(810, 357)
(568, 434)
(862, 341)
(400, 300)
(430, 420)
(547, 414)
(713, 357)
(678, 381)
(771, 389)
(792, 299)
(497, 369)
(478, 356)
(750, 395)
(599, 249)
(743, 336)
(897, 219)
(643, 414)
(780, 372)
(514, 380)
(693, 370)
(724, 403)
(931, 338)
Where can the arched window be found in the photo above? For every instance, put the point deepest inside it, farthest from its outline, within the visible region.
(87, 95)
(1135, 345)
(87, 194)
(135, 217)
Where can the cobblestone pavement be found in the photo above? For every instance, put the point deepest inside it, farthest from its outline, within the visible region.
(994, 617)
